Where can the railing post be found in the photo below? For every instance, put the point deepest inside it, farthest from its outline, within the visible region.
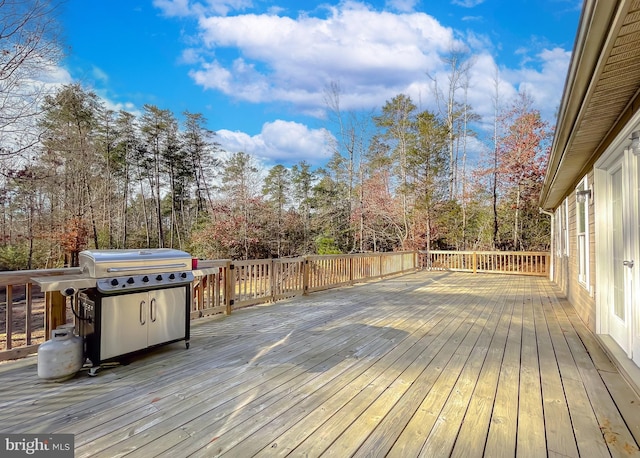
(305, 276)
(547, 264)
(272, 279)
(230, 288)
(475, 262)
(351, 269)
(9, 317)
(199, 293)
(55, 308)
(28, 308)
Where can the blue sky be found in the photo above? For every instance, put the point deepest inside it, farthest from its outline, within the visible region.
(258, 70)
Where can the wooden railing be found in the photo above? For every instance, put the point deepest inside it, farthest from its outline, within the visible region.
(211, 288)
(27, 315)
(504, 262)
(223, 286)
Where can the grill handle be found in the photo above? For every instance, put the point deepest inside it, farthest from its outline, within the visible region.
(152, 310)
(159, 266)
(143, 320)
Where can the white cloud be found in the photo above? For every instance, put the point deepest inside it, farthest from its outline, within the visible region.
(99, 74)
(55, 76)
(485, 75)
(279, 141)
(545, 84)
(404, 6)
(190, 56)
(109, 104)
(293, 60)
(241, 80)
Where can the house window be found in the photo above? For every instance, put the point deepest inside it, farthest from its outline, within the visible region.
(582, 233)
(558, 235)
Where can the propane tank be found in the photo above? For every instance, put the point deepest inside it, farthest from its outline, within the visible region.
(61, 357)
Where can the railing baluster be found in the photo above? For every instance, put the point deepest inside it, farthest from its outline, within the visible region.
(514, 262)
(9, 317)
(28, 325)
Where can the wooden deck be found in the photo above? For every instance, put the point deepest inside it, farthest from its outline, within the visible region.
(432, 363)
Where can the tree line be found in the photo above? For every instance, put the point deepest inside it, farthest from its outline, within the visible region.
(103, 179)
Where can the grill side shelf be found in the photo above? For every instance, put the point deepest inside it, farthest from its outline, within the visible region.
(62, 282)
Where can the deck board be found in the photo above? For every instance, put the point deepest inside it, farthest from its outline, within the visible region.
(425, 364)
(472, 437)
(557, 418)
(502, 433)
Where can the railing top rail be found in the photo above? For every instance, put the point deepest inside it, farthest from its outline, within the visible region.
(205, 263)
(24, 276)
(251, 262)
(286, 260)
(357, 255)
(484, 252)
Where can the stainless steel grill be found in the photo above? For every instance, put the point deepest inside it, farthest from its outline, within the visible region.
(118, 271)
(128, 301)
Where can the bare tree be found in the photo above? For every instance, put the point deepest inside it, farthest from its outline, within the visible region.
(459, 64)
(28, 51)
(494, 181)
(468, 116)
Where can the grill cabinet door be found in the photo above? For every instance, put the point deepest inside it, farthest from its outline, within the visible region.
(167, 315)
(124, 324)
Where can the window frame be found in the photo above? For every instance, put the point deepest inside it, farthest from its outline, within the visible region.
(582, 235)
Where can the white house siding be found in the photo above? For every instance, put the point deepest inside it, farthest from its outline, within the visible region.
(565, 274)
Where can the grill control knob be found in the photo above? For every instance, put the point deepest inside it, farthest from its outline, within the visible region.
(172, 276)
(130, 280)
(145, 279)
(159, 278)
(114, 282)
(183, 275)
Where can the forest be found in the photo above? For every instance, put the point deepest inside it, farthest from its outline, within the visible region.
(399, 178)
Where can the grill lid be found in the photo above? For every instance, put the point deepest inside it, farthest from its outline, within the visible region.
(121, 271)
(110, 263)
